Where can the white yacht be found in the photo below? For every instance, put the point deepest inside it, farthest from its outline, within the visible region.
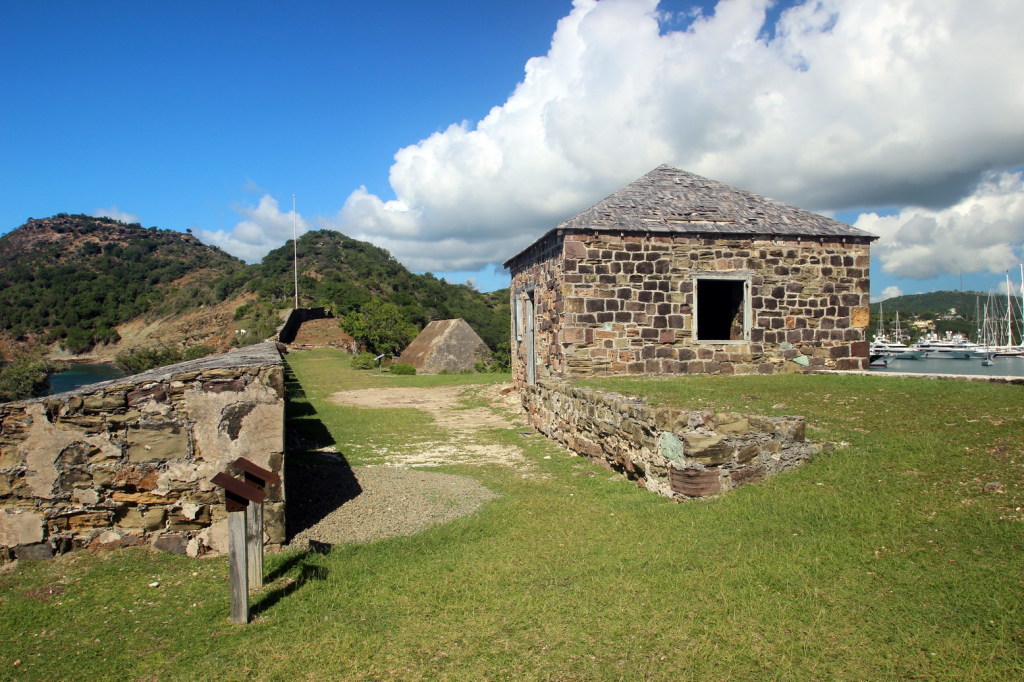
(892, 348)
(953, 346)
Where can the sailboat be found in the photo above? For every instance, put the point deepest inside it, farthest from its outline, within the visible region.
(883, 349)
(993, 328)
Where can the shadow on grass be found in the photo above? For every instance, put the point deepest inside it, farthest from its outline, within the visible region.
(318, 479)
(308, 570)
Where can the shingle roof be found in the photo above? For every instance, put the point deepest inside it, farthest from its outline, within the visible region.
(672, 201)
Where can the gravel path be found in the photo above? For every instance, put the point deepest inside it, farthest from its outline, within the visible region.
(381, 502)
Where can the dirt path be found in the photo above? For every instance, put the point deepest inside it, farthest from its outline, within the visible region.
(367, 503)
(461, 424)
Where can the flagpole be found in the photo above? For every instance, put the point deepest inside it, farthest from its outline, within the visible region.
(295, 254)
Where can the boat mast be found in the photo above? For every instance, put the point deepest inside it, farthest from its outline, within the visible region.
(1009, 307)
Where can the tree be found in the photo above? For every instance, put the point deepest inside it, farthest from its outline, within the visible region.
(380, 326)
(24, 377)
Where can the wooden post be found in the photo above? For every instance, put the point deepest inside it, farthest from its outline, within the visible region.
(257, 477)
(254, 545)
(237, 558)
(238, 496)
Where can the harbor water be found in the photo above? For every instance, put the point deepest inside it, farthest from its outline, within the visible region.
(1001, 367)
(83, 374)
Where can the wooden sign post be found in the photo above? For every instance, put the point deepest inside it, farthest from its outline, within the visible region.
(257, 477)
(238, 495)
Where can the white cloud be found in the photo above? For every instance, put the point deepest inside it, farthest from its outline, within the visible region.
(1013, 286)
(265, 228)
(851, 104)
(981, 233)
(887, 293)
(115, 213)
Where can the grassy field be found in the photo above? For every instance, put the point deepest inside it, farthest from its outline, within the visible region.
(882, 559)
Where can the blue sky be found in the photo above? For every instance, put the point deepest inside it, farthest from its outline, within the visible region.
(455, 133)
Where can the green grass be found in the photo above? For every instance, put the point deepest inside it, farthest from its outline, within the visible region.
(882, 559)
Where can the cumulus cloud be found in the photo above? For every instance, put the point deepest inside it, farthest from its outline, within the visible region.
(840, 104)
(115, 213)
(865, 103)
(887, 293)
(981, 233)
(265, 227)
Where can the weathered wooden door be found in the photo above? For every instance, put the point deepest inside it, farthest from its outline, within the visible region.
(531, 346)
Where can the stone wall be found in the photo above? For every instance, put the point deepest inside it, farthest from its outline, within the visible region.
(674, 452)
(129, 461)
(294, 319)
(609, 304)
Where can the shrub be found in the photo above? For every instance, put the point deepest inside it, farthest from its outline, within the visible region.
(139, 360)
(403, 368)
(363, 361)
(24, 377)
(196, 352)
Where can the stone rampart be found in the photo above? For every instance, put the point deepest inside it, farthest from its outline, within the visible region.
(129, 461)
(674, 452)
(294, 319)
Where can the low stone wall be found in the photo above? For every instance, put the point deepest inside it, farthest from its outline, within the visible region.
(294, 319)
(129, 461)
(673, 452)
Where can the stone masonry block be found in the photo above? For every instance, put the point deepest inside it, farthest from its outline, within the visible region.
(731, 423)
(20, 528)
(694, 482)
(707, 449)
(157, 442)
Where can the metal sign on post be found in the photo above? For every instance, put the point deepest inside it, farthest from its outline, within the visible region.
(260, 478)
(238, 496)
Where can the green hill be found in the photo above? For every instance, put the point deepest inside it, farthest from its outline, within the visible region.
(343, 274)
(965, 303)
(935, 307)
(71, 280)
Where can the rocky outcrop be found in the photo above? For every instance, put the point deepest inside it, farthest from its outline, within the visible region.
(129, 461)
(674, 452)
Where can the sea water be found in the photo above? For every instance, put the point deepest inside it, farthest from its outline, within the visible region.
(82, 374)
(1001, 366)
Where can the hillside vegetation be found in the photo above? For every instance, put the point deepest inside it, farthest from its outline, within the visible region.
(965, 303)
(935, 306)
(72, 278)
(71, 282)
(345, 274)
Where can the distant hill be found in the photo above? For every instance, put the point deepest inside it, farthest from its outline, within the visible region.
(934, 307)
(965, 302)
(74, 281)
(73, 278)
(342, 274)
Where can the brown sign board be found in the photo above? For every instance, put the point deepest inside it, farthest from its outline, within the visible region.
(254, 471)
(237, 494)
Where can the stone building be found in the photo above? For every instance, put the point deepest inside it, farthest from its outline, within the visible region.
(679, 274)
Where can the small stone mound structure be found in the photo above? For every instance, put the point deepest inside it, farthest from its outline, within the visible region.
(450, 345)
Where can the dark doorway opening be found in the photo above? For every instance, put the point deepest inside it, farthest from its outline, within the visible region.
(720, 310)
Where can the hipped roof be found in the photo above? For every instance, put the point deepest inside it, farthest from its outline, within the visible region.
(673, 201)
